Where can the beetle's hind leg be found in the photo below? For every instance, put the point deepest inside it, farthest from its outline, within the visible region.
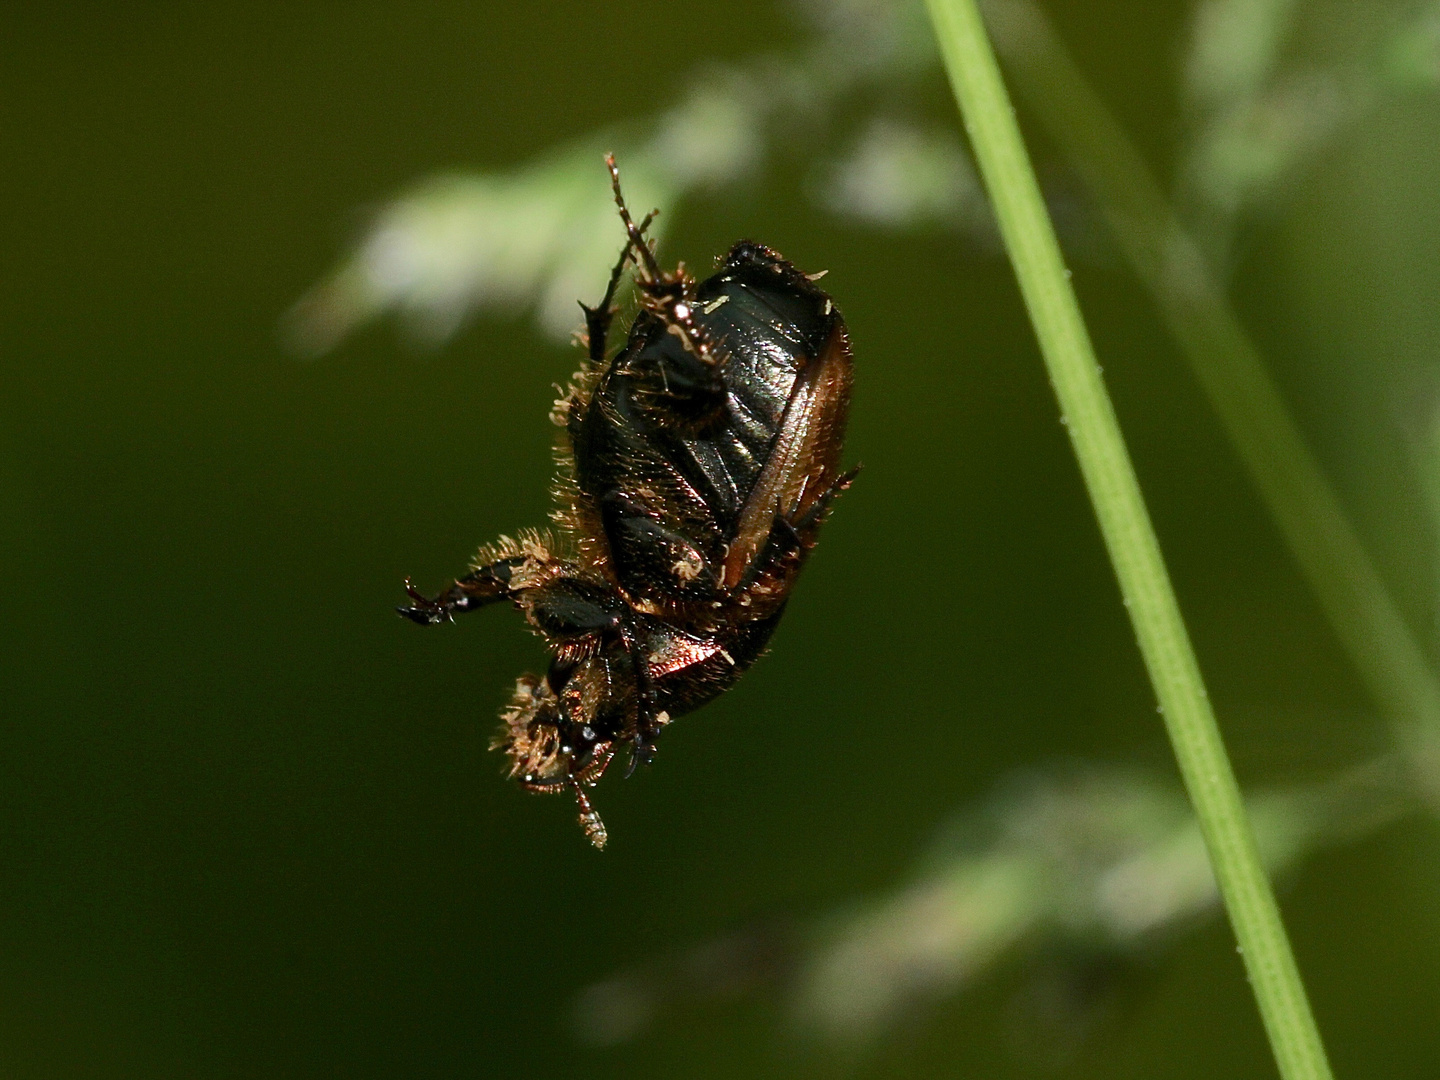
(598, 318)
(806, 521)
(637, 233)
(672, 296)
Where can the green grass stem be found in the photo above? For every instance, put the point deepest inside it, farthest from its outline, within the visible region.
(1125, 524)
(1233, 375)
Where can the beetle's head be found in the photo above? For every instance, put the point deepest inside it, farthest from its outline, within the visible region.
(549, 747)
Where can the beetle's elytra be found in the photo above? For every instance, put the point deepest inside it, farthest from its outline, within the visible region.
(697, 466)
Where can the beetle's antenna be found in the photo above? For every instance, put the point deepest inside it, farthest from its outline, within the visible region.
(637, 238)
(589, 819)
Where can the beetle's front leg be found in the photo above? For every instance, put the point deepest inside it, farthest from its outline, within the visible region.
(475, 590)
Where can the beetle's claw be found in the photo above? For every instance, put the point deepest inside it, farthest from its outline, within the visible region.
(425, 611)
(642, 752)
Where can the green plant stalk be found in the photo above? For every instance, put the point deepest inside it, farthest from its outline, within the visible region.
(1233, 375)
(1129, 537)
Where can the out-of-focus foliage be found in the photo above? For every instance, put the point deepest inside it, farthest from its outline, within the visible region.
(533, 238)
(1087, 861)
(1256, 115)
(900, 175)
(482, 242)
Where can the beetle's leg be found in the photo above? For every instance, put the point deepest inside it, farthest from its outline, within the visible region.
(577, 616)
(475, 590)
(648, 721)
(791, 535)
(811, 517)
(640, 748)
(597, 319)
(670, 294)
(637, 238)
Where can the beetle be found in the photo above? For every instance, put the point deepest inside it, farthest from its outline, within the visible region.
(696, 467)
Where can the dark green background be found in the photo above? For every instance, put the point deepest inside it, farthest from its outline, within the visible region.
(248, 822)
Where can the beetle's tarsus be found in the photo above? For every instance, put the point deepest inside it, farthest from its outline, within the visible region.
(425, 610)
(635, 233)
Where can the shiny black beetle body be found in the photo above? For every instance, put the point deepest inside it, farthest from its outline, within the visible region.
(697, 466)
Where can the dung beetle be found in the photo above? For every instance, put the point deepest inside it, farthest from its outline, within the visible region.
(696, 467)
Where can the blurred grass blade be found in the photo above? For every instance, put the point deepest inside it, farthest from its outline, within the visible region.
(1233, 375)
(1129, 537)
(1082, 860)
